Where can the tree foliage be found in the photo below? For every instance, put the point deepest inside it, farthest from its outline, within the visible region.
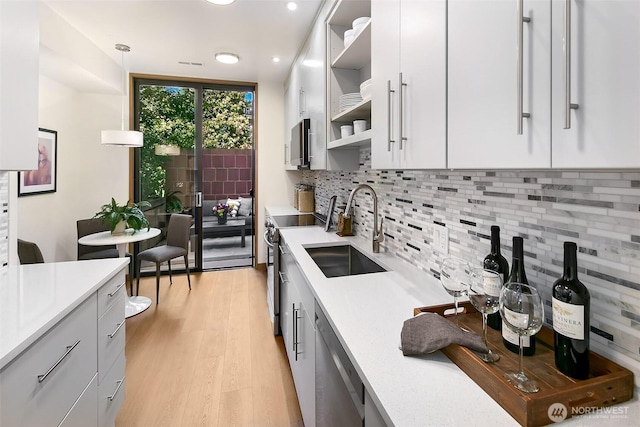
(167, 116)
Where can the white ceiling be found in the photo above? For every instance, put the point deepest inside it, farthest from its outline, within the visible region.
(163, 32)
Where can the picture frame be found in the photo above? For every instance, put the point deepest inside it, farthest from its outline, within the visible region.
(44, 179)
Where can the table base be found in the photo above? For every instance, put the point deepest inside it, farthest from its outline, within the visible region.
(136, 305)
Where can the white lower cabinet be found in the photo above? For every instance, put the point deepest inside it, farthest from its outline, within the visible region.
(111, 393)
(372, 417)
(85, 411)
(298, 332)
(56, 380)
(41, 385)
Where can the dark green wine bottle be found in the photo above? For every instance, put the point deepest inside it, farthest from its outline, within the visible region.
(571, 306)
(496, 262)
(510, 338)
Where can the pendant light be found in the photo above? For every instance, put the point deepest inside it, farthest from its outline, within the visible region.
(122, 138)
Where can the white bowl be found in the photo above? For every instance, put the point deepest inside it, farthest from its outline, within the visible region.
(360, 21)
(365, 84)
(358, 28)
(348, 40)
(346, 130)
(366, 92)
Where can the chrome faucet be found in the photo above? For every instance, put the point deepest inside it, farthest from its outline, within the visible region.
(378, 237)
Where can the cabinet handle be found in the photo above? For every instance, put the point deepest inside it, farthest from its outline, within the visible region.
(566, 82)
(113, 396)
(55, 365)
(301, 106)
(281, 248)
(295, 331)
(401, 85)
(116, 291)
(113, 334)
(520, 59)
(389, 92)
(283, 278)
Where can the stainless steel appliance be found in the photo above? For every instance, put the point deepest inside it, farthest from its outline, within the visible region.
(272, 239)
(339, 389)
(300, 144)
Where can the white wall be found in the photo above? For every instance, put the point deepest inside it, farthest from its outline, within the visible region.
(275, 185)
(88, 174)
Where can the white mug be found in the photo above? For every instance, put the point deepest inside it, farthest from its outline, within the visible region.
(359, 126)
(346, 130)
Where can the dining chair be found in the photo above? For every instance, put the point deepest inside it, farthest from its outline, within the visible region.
(177, 245)
(29, 253)
(97, 225)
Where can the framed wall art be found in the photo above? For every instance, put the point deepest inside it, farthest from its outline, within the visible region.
(43, 179)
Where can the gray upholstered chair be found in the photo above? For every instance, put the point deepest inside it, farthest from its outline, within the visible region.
(96, 225)
(177, 246)
(29, 253)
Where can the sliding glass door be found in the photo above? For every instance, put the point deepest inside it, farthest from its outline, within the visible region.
(198, 159)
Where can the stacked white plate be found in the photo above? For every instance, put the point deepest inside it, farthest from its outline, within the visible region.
(365, 89)
(348, 100)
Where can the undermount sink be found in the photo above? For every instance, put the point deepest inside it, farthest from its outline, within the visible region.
(343, 260)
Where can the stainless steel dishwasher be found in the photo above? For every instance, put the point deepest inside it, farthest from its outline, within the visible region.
(339, 390)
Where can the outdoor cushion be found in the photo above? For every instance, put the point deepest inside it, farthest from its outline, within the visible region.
(245, 206)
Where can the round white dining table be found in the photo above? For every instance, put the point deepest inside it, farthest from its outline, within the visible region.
(134, 304)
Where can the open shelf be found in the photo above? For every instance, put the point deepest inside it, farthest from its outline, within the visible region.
(361, 111)
(354, 141)
(358, 53)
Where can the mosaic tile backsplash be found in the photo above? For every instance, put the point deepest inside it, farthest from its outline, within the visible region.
(4, 219)
(600, 211)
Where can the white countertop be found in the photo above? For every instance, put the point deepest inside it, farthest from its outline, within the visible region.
(367, 313)
(35, 297)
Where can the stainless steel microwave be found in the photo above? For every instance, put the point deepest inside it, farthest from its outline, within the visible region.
(300, 144)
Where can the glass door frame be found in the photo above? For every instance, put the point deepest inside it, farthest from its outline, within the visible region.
(199, 86)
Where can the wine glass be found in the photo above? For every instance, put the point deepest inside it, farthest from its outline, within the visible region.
(484, 293)
(454, 276)
(522, 311)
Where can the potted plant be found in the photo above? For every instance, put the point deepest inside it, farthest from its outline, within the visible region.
(172, 202)
(221, 211)
(121, 217)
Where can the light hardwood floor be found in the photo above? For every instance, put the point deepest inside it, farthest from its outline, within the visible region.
(207, 357)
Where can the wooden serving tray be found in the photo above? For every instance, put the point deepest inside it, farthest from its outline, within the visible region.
(608, 383)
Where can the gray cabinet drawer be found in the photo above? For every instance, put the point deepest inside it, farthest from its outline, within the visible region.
(110, 291)
(67, 355)
(111, 336)
(85, 411)
(111, 393)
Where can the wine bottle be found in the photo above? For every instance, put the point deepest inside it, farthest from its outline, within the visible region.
(496, 262)
(571, 303)
(510, 338)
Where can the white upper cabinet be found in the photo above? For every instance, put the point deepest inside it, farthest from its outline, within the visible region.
(604, 82)
(314, 94)
(19, 50)
(408, 58)
(385, 75)
(485, 79)
(500, 78)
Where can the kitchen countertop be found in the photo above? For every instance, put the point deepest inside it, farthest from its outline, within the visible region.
(367, 313)
(35, 297)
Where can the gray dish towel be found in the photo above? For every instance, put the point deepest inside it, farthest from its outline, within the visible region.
(429, 332)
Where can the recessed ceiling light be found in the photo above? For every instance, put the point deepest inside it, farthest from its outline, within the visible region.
(227, 58)
(221, 2)
(276, 59)
(292, 5)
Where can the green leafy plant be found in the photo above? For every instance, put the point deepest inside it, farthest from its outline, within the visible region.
(172, 202)
(130, 213)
